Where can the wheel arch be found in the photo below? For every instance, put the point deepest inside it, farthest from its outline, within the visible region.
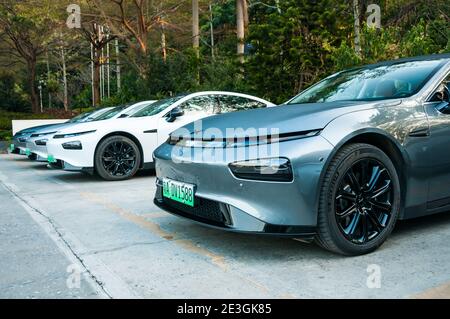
(124, 134)
(388, 144)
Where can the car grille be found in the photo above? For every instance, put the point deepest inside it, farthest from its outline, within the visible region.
(22, 139)
(204, 209)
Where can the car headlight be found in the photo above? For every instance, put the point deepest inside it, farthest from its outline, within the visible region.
(269, 169)
(73, 134)
(42, 142)
(75, 145)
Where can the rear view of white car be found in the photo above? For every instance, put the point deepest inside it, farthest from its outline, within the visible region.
(118, 148)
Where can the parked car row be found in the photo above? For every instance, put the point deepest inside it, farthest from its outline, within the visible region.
(339, 163)
(116, 142)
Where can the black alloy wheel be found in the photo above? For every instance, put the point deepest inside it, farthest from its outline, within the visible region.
(117, 158)
(364, 201)
(359, 201)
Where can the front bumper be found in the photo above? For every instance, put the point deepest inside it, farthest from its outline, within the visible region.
(73, 160)
(223, 201)
(20, 144)
(39, 150)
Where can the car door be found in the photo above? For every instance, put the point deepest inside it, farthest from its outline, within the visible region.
(438, 111)
(193, 109)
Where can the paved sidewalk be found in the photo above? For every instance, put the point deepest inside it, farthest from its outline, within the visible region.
(31, 263)
(50, 219)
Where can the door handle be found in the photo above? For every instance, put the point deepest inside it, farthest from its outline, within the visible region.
(420, 132)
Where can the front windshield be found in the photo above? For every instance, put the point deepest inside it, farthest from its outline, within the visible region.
(111, 113)
(157, 107)
(80, 117)
(138, 108)
(381, 82)
(96, 114)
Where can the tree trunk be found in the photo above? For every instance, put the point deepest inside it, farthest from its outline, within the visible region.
(240, 29)
(96, 77)
(48, 79)
(195, 27)
(118, 65)
(211, 28)
(34, 99)
(356, 16)
(163, 44)
(65, 95)
(245, 13)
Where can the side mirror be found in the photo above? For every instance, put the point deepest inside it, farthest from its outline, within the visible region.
(123, 116)
(172, 116)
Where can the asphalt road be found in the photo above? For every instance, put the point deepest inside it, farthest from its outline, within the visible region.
(72, 235)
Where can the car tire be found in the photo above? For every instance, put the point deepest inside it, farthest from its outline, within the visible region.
(117, 158)
(357, 212)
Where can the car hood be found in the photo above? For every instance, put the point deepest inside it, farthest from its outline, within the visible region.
(282, 119)
(34, 129)
(114, 123)
(53, 128)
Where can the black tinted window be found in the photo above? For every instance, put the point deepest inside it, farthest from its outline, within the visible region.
(442, 94)
(205, 103)
(231, 103)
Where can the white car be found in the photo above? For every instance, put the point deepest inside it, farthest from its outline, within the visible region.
(36, 144)
(20, 139)
(117, 149)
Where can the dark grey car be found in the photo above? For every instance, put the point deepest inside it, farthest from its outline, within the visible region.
(349, 157)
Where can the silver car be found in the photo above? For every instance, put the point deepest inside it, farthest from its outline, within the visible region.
(19, 142)
(339, 164)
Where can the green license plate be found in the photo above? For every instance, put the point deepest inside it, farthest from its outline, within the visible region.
(12, 147)
(27, 152)
(178, 191)
(51, 159)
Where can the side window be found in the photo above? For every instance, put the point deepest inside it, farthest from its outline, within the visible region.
(200, 104)
(442, 93)
(231, 103)
(442, 97)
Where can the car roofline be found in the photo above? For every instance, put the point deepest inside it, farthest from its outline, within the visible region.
(229, 93)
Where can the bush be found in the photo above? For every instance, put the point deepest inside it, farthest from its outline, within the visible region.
(7, 117)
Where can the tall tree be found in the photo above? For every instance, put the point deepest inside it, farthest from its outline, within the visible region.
(357, 27)
(240, 26)
(26, 29)
(195, 27)
(293, 43)
(95, 35)
(132, 21)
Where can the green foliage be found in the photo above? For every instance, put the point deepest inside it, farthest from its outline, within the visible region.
(294, 48)
(289, 48)
(11, 95)
(84, 99)
(7, 117)
(344, 57)
(5, 135)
